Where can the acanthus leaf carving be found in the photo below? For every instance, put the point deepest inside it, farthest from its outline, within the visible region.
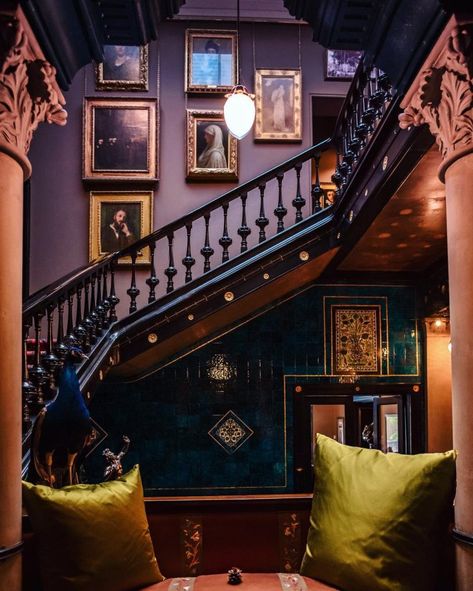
(444, 97)
(28, 94)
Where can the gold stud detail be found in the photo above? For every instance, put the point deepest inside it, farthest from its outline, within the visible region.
(415, 388)
(88, 395)
(339, 235)
(100, 375)
(385, 162)
(350, 216)
(152, 338)
(190, 317)
(304, 255)
(357, 388)
(298, 389)
(229, 296)
(366, 192)
(266, 276)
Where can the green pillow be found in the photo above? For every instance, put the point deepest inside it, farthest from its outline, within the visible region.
(378, 521)
(93, 536)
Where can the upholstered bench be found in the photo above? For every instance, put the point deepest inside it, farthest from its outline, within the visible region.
(250, 582)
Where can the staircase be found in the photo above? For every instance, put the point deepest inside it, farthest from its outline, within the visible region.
(223, 262)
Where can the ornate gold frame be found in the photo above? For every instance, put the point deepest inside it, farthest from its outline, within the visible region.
(193, 172)
(192, 34)
(140, 84)
(97, 198)
(90, 171)
(278, 136)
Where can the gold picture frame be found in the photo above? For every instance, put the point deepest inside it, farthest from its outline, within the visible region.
(212, 152)
(329, 195)
(123, 68)
(278, 105)
(116, 220)
(211, 61)
(120, 139)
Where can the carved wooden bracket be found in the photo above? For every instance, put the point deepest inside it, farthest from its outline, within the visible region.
(29, 93)
(442, 95)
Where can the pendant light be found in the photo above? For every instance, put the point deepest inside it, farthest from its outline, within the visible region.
(239, 109)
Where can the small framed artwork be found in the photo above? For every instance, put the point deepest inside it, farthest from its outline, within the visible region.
(212, 152)
(123, 68)
(341, 64)
(278, 106)
(117, 219)
(120, 139)
(329, 190)
(211, 61)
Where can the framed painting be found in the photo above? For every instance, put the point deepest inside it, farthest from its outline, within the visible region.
(212, 152)
(211, 61)
(120, 139)
(116, 220)
(330, 191)
(278, 106)
(341, 64)
(123, 68)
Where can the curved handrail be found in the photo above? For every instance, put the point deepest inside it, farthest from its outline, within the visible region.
(82, 305)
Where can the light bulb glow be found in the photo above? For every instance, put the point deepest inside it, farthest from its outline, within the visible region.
(239, 112)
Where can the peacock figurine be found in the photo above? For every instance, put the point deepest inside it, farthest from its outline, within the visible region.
(61, 430)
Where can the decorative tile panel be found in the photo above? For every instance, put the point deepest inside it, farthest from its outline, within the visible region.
(230, 432)
(356, 340)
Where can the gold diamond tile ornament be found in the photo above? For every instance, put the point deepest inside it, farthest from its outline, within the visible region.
(230, 432)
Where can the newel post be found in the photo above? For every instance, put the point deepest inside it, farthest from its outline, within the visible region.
(28, 96)
(442, 97)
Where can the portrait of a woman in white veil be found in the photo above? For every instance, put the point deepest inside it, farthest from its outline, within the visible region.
(213, 154)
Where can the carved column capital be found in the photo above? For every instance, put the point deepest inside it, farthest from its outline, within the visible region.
(442, 95)
(29, 93)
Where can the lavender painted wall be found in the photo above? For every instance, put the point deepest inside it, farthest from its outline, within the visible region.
(60, 201)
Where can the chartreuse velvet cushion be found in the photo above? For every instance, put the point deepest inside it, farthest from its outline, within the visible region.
(378, 521)
(93, 537)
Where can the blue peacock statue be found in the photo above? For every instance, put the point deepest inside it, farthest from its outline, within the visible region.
(61, 430)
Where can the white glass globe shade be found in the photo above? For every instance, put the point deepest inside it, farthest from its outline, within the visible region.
(239, 112)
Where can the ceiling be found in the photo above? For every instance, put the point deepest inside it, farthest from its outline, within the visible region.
(410, 232)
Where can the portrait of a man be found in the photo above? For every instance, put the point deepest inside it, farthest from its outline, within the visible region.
(210, 60)
(119, 226)
(117, 220)
(278, 105)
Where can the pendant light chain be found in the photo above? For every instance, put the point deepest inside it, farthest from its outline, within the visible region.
(238, 49)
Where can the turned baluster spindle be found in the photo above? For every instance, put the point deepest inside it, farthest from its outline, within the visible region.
(171, 270)
(298, 202)
(152, 280)
(113, 298)
(207, 251)
(38, 375)
(50, 360)
(105, 302)
(317, 191)
(243, 231)
(28, 388)
(99, 309)
(280, 212)
(188, 261)
(225, 241)
(71, 339)
(93, 314)
(60, 348)
(88, 322)
(262, 221)
(80, 330)
(133, 291)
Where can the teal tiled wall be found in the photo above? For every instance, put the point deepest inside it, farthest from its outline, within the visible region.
(168, 415)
